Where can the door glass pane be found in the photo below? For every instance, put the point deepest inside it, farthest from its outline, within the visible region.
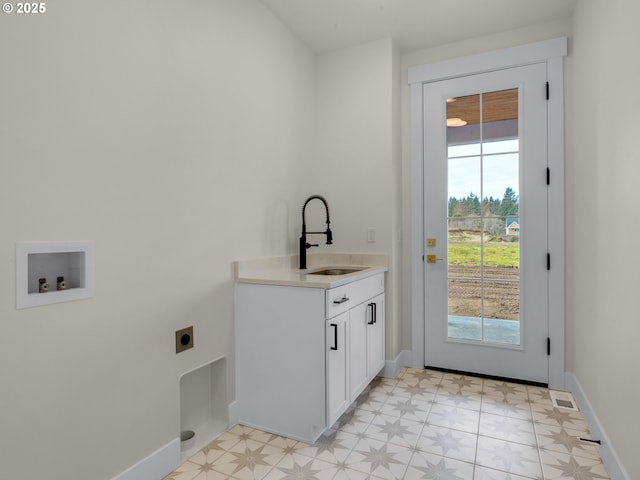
(483, 218)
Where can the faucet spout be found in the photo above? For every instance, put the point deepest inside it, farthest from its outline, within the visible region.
(303, 238)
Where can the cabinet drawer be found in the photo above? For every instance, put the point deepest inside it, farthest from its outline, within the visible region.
(344, 297)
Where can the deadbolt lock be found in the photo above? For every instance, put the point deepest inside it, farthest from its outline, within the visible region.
(431, 242)
(433, 259)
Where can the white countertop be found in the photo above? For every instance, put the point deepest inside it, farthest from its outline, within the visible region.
(284, 270)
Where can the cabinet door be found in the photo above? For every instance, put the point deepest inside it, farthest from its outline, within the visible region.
(375, 336)
(359, 317)
(337, 367)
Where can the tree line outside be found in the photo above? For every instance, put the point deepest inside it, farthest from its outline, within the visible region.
(488, 215)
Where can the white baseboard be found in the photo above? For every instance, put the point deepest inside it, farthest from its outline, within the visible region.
(157, 465)
(233, 413)
(608, 454)
(166, 459)
(392, 367)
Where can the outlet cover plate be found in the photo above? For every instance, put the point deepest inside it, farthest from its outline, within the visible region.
(184, 339)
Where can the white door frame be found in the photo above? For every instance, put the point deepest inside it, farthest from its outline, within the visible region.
(552, 52)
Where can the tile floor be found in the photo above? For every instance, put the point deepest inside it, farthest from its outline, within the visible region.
(422, 425)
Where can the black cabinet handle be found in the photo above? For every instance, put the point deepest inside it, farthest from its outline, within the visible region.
(374, 313)
(342, 300)
(335, 336)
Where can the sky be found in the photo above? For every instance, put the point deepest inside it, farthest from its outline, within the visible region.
(500, 170)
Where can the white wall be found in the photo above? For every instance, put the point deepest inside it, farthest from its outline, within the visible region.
(602, 258)
(356, 159)
(352, 161)
(169, 133)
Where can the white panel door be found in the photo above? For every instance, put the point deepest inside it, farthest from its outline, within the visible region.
(485, 224)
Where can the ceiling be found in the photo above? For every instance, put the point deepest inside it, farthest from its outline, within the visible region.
(497, 111)
(495, 106)
(326, 25)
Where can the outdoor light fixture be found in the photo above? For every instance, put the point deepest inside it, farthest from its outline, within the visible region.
(455, 122)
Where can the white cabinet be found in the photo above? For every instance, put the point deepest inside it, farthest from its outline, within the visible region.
(304, 354)
(366, 343)
(365, 335)
(359, 377)
(375, 336)
(280, 359)
(338, 398)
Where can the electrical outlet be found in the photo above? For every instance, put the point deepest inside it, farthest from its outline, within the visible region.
(184, 339)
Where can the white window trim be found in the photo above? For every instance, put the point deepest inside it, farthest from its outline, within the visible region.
(552, 53)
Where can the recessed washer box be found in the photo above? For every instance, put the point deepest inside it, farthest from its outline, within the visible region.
(73, 261)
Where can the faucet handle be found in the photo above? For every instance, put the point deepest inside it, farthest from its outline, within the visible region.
(309, 245)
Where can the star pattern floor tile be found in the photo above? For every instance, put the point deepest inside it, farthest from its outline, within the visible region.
(424, 424)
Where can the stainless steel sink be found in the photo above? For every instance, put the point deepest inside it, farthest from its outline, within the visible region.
(336, 271)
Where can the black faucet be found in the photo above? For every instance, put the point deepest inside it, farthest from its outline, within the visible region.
(303, 239)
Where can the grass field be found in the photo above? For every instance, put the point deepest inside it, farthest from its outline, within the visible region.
(495, 255)
(492, 291)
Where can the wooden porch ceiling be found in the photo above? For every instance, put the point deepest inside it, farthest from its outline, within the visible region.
(496, 106)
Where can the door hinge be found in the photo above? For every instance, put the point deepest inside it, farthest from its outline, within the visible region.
(548, 346)
(548, 176)
(548, 261)
(547, 90)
